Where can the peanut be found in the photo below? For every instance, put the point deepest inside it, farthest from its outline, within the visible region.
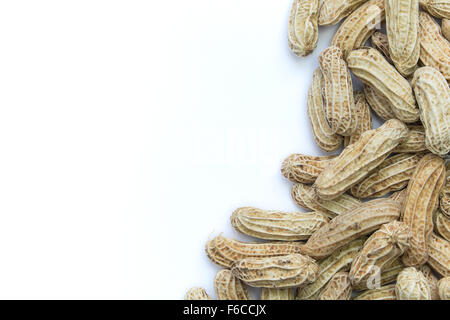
(303, 28)
(412, 285)
(433, 98)
(340, 260)
(444, 288)
(392, 175)
(439, 255)
(276, 272)
(305, 197)
(379, 103)
(358, 159)
(402, 26)
(277, 225)
(359, 26)
(372, 69)
(333, 11)
(368, 217)
(446, 29)
(302, 168)
(434, 48)
(338, 288)
(383, 293)
(415, 142)
(388, 275)
(442, 225)
(381, 43)
(228, 287)
(437, 8)
(337, 91)
(197, 293)
(224, 251)
(364, 118)
(277, 294)
(421, 201)
(431, 280)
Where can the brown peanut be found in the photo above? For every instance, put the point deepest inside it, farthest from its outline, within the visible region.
(388, 275)
(333, 11)
(378, 103)
(303, 29)
(431, 280)
(338, 288)
(228, 287)
(197, 293)
(412, 285)
(442, 225)
(302, 168)
(446, 28)
(439, 255)
(444, 288)
(415, 142)
(437, 8)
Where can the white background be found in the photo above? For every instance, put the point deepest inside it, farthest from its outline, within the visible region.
(130, 131)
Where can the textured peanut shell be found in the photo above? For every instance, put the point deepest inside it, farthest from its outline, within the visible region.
(276, 272)
(302, 168)
(381, 43)
(224, 251)
(388, 275)
(382, 248)
(358, 159)
(399, 196)
(402, 26)
(434, 48)
(303, 29)
(415, 142)
(442, 225)
(421, 201)
(277, 294)
(364, 118)
(305, 197)
(368, 217)
(378, 103)
(370, 66)
(340, 260)
(337, 91)
(321, 130)
(359, 26)
(383, 293)
(412, 285)
(445, 195)
(431, 280)
(277, 225)
(338, 288)
(433, 98)
(228, 287)
(437, 8)
(446, 28)
(197, 293)
(392, 175)
(444, 288)
(333, 11)
(439, 255)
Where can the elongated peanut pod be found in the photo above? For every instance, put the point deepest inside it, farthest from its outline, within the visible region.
(338, 288)
(379, 103)
(439, 255)
(412, 285)
(197, 293)
(228, 287)
(333, 11)
(304, 169)
(437, 8)
(303, 28)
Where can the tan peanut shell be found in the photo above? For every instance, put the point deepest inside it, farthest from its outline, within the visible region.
(337, 91)
(276, 272)
(381, 43)
(364, 118)
(197, 293)
(228, 287)
(402, 26)
(388, 275)
(439, 255)
(323, 135)
(302, 168)
(412, 285)
(415, 142)
(434, 48)
(442, 225)
(277, 225)
(433, 98)
(358, 159)
(382, 248)
(333, 11)
(359, 26)
(378, 103)
(399, 196)
(305, 197)
(340, 260)
(421, 201)
(368, 217)
(431, 280)
(338, 288)
(277, 294)
(303, 29)
(437, 8)
(444, 288)
(392, 175)
(445, 28)
(383, 293)
(374, 70)
(224, 251)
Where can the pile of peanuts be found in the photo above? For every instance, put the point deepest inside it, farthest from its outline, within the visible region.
(377, 225)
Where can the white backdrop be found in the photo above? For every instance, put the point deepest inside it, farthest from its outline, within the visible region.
(130, 131)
